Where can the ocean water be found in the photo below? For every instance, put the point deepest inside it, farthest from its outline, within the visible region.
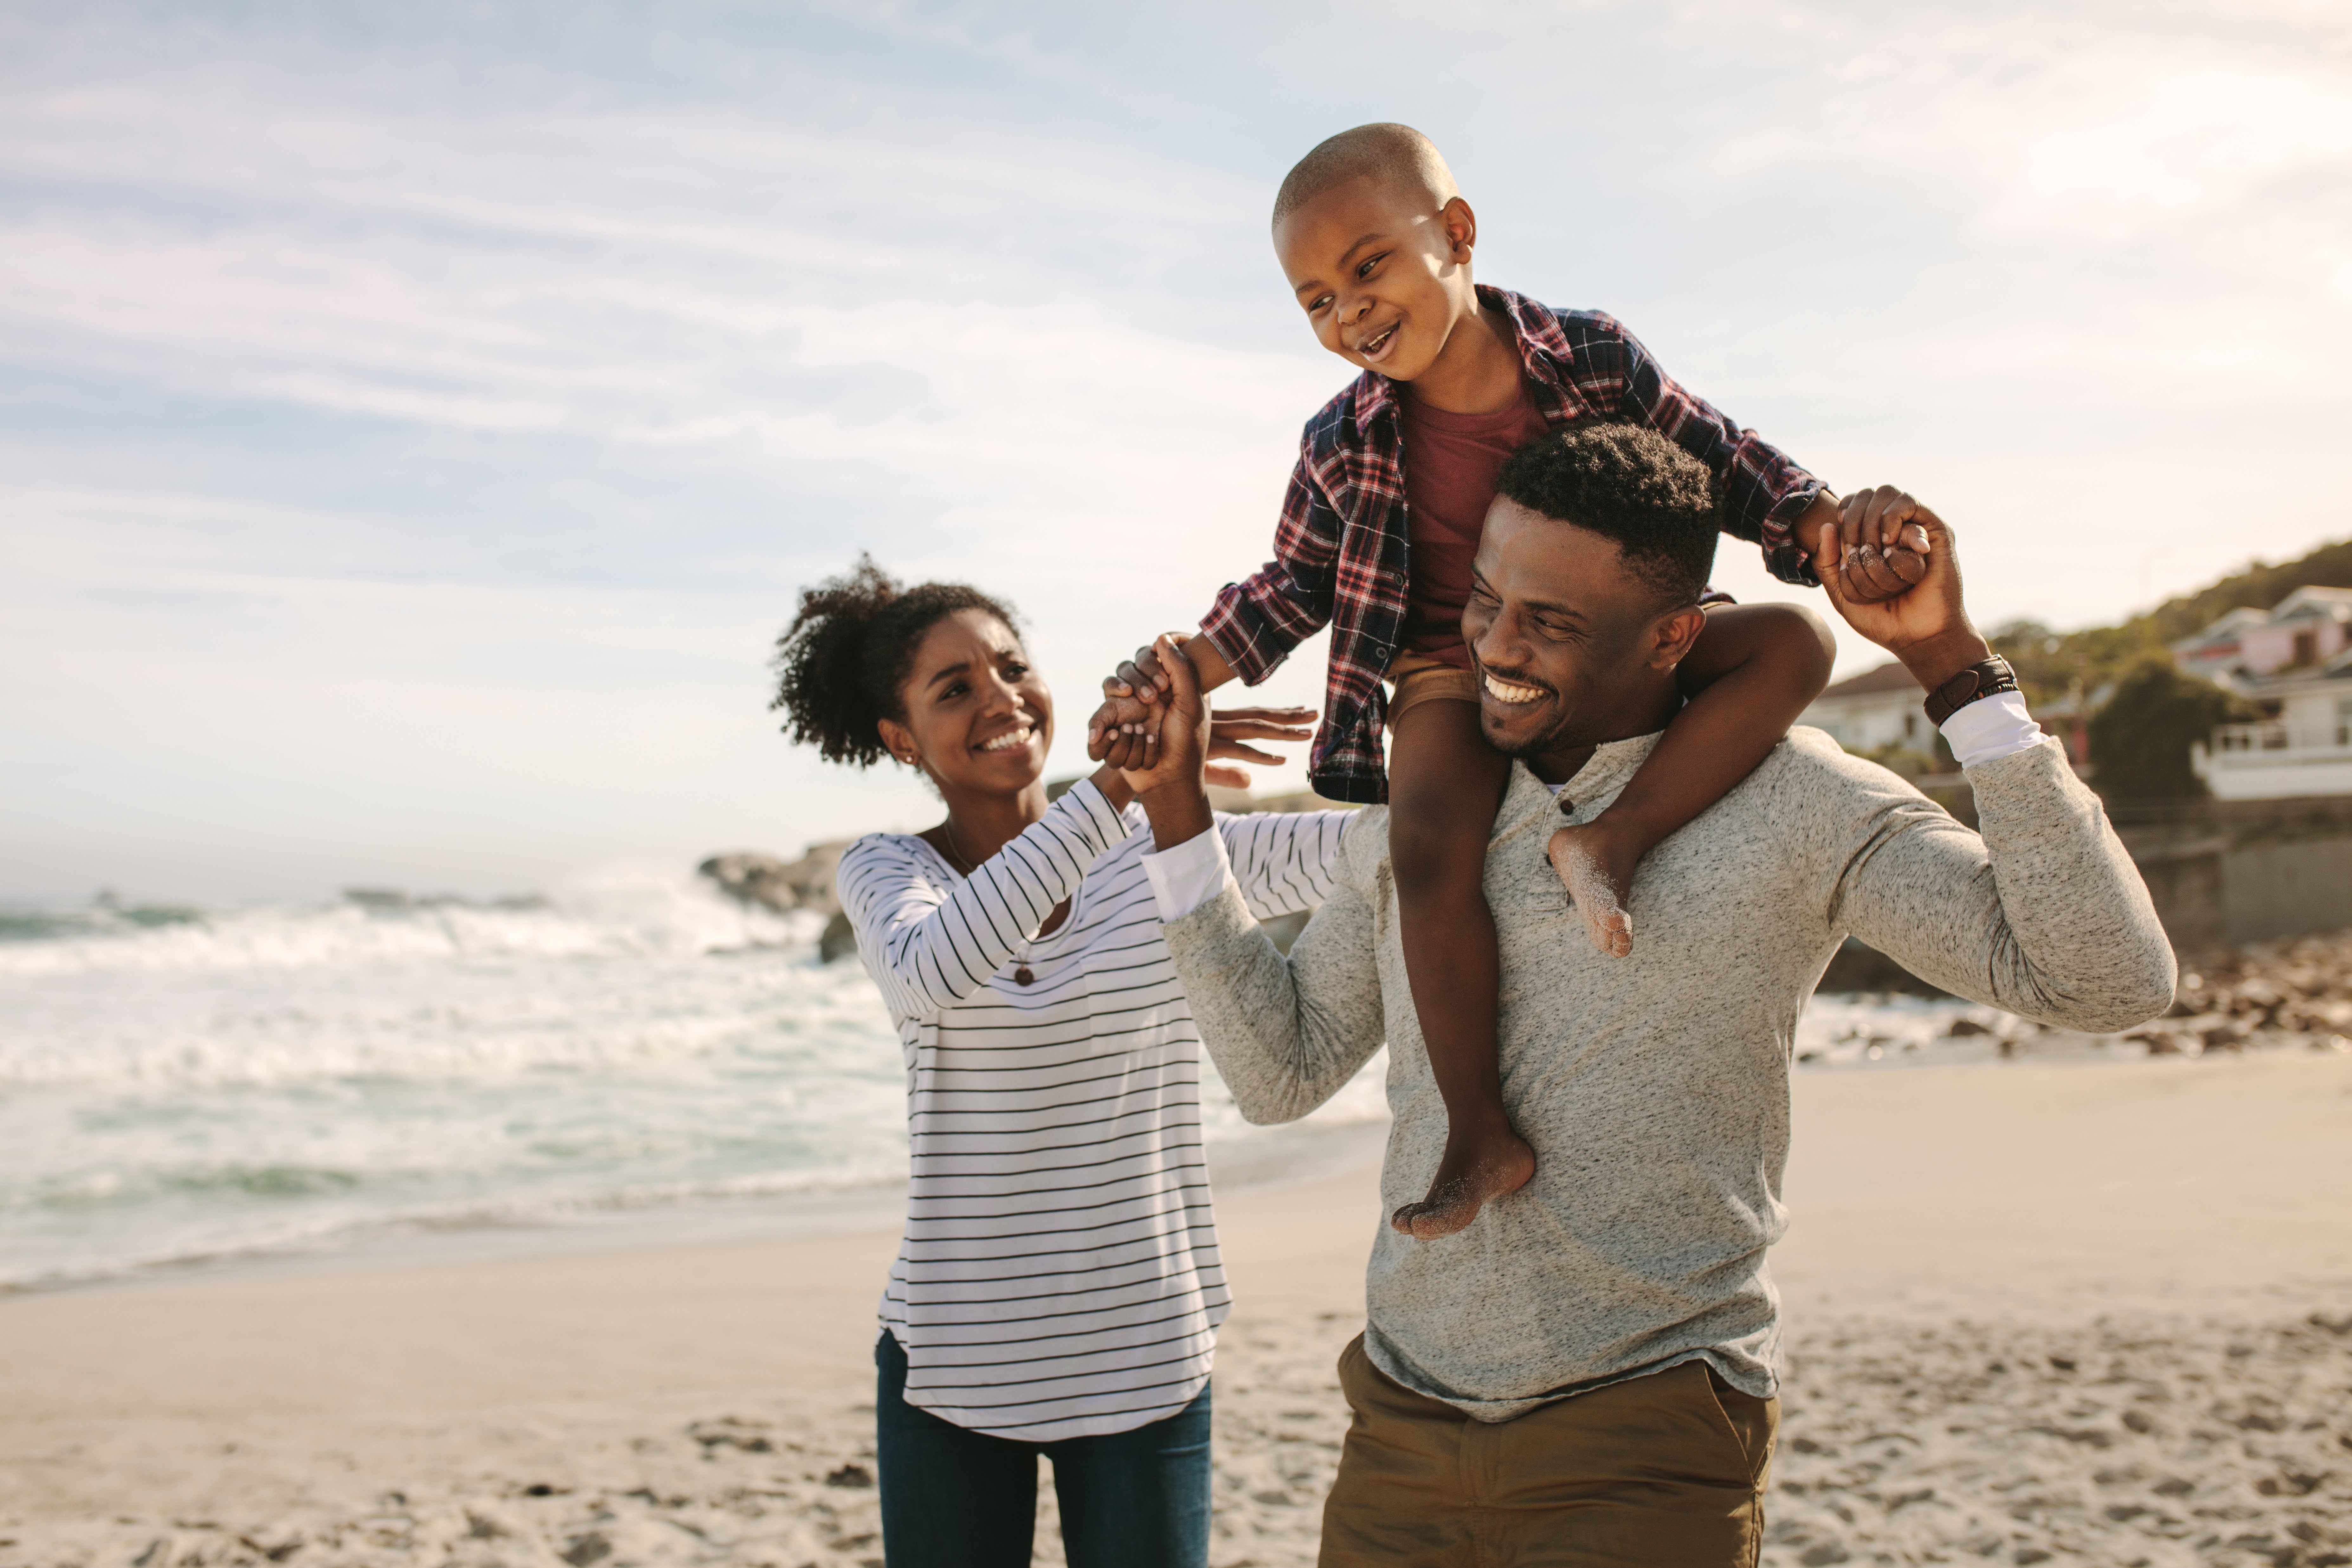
(182, 1087)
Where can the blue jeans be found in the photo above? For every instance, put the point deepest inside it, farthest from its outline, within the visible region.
(953, 1498)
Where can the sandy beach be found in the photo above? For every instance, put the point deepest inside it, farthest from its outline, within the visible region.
(2037, 1311)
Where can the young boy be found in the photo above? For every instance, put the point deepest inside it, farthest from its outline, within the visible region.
(1383, 517)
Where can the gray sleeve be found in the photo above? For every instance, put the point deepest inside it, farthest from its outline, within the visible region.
(2043, 915)
(1286, 1034)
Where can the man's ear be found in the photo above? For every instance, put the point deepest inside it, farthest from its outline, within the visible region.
(1672, 634)
(897, 740)
(1461, 228)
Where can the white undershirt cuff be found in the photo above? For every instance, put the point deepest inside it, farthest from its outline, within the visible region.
(1991, 729)
(1185, 877)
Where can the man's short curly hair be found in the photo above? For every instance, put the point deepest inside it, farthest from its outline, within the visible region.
(840, 665)
(1631, 484)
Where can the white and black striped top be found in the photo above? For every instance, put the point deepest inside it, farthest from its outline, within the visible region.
(1060, 1275)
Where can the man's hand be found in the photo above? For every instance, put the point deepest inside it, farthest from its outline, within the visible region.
(1926, 625)
(1878, 545)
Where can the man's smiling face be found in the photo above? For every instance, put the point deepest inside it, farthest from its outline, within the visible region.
(1572, 647)
(1382, 280)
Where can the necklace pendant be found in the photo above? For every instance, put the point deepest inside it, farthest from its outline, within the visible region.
(1021, 976)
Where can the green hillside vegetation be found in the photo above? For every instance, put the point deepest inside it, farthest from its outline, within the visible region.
(2140, 738)
(2049, 663)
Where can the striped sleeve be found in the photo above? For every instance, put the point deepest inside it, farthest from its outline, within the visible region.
(1285, 862)
(929, 947)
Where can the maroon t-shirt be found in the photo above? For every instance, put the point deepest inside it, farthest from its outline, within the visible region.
(1451, 463)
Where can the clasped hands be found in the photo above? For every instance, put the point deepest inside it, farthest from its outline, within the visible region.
(1129, 730)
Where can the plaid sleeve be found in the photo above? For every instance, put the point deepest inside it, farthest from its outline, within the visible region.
(1764, 492)
(1255, 623)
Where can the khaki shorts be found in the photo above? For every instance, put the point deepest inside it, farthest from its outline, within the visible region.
(1415, 678)
(1661, 1471)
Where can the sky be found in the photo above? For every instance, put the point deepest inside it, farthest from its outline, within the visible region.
(417, 422)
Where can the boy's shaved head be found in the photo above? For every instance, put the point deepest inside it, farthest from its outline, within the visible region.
(1397, 155)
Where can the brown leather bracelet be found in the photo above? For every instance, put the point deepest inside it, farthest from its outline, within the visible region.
(1977, 681)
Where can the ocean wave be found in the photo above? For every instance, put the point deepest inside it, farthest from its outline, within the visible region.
(375, 927)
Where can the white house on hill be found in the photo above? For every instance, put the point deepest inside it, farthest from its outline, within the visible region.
(2305, 749)
(1877, 708)
(2295, 659)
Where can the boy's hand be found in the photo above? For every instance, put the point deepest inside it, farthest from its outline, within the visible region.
(1142, 678)
(1927, 626)
(1874, 540)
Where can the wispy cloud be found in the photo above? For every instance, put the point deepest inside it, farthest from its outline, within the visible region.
(448, 400)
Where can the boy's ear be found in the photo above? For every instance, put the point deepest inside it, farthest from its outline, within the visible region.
(1461, 228)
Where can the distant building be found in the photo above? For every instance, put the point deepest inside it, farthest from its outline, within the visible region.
(2307, 628)
(2295, 659)
(2304, 750)
(1885, 707)
(1870, 711)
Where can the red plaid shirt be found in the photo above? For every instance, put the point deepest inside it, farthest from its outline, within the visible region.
(1339, 553)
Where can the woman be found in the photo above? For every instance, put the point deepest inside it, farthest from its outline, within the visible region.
(1059, 1288)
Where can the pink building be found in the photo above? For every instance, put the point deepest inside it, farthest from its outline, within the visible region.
(2303, 631)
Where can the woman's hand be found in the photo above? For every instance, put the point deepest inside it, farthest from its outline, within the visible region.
(1230, 728)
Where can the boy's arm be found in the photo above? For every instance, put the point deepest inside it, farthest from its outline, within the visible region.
(1752, 671)
(1765, 493)
(1766, 499)
(1254, 624)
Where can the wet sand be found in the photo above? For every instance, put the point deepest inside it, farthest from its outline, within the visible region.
(2036, 1310)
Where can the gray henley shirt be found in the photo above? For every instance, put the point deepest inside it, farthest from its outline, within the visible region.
(1655, 1087)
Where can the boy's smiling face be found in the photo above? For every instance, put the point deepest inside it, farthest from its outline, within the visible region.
(1384, 277)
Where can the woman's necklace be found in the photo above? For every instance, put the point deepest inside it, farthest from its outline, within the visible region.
(962, 862)
(1021, 976)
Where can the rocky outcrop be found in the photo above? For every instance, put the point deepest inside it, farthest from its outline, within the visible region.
(784, 886)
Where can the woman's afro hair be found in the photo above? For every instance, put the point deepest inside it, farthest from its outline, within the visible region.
(841, 664)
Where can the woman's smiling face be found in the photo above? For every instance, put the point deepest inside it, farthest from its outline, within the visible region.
(978, 717)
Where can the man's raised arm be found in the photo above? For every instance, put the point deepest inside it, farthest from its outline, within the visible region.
(2043, 915)
(1286, 1035)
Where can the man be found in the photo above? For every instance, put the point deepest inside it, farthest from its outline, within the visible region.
(1589, 1373)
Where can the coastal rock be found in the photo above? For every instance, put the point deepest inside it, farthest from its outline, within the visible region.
(749, 877)
(2261, 996)
(838, 941)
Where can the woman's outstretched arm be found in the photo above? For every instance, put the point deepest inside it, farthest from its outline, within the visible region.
(928, 945)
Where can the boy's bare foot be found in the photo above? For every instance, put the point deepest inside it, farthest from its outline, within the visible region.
(1597, 868)
(1477, 1168)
